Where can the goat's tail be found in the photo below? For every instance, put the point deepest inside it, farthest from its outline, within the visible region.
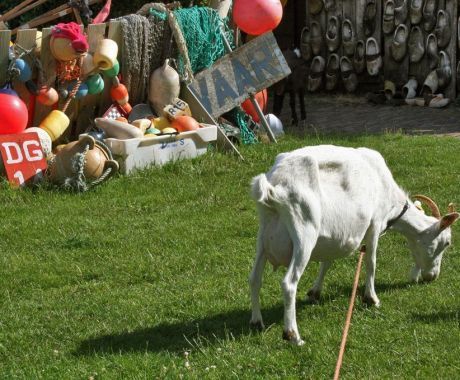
(263, 192)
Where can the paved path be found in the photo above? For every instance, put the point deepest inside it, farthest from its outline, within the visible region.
(345, 114)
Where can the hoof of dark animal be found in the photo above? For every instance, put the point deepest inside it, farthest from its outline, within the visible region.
(313, 296)
(256, 326)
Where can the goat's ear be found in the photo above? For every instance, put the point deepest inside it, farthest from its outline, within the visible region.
(448, 220)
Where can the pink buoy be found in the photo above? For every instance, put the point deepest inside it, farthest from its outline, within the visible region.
(257, 16)
(13, 113)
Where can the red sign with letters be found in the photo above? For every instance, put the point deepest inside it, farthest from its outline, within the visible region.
(22, 157)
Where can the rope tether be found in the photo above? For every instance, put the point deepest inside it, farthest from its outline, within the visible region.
(349, 314)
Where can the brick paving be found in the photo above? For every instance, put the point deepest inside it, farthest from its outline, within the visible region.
(351, 115)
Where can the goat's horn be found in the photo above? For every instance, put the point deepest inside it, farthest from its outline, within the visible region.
(430, 203)
(451, 208)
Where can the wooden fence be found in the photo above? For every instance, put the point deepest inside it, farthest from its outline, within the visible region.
(27, 39)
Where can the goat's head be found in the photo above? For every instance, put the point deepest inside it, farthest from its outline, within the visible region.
(429, 244)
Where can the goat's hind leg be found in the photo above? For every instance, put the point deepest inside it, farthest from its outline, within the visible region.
(255, 283)
(303, 239)
(315, 292)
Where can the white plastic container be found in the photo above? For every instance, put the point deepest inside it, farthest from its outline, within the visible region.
(139, 153)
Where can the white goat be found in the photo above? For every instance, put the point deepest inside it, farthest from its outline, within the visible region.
(320, 203)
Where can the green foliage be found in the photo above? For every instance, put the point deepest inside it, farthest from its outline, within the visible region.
(119, 282)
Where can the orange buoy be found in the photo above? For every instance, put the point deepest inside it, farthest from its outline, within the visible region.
(185, 124)
(261, 98)
(47, 96)
(257, 16)
(119, 92)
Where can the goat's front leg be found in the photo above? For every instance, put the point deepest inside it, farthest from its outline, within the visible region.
(255, 282)
(300, 256)
(372, 239)
(315, 292)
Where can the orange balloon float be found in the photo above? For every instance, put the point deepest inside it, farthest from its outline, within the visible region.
(257, 16)
(185, 124)
(261, 98)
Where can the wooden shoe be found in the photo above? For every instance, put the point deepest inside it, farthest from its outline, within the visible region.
(458, 76)
(429, 14)
(388, 17)
(332, 71)
(305, 47)
(444, 70)
(401, 13)
(315, 78)
(399, 43)
(329, 5)
(416, 45)
(349, 78)
(370, 12)
(430, 85)
(432, 51)
(438, 101)
(333, 34)
(348, 38)
(409, 90)
(415, 11)
(373, 57)
(443, 29)
(316, 37)
(359, 60)
(315, 6)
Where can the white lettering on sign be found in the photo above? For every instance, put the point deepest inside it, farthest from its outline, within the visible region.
(9, 154)
(37, 153)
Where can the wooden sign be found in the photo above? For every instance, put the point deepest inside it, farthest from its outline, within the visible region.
(248, 69)
(23, 157)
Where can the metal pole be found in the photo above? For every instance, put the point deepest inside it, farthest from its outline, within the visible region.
(256, 106)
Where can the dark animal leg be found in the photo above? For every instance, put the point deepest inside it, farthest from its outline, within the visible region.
(278, 101)
(294, 120)
(303, 112)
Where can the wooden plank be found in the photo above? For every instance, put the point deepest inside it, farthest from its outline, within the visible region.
(114, 33)
(87, 105)
(5, 38)
(249, 69)
(49, 72)
(26, 39)
(23, 10)
(8, 15)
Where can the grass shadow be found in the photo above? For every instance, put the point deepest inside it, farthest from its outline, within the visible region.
(335, 291)
(438, 316)
(174, 336)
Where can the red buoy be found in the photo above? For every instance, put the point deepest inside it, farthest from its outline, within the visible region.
(261, 98)
(13, 113)
(257, 16)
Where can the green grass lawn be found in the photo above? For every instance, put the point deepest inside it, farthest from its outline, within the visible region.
(121, 281)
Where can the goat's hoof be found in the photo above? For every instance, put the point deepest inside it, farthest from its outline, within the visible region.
(256, 325)
(371, 301)
(313, 296)
(293, 338)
